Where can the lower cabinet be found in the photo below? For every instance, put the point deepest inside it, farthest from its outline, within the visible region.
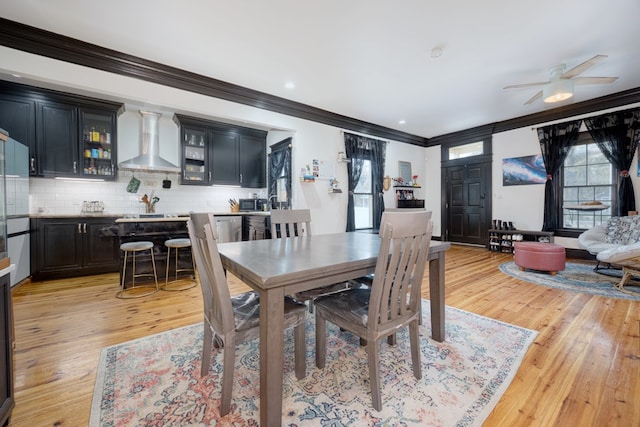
(256, 227)
(7, 399)
(66, 247)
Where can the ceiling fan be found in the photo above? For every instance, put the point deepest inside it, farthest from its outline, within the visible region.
(560, 84)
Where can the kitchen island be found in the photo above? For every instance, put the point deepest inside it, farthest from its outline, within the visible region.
(157, 229)
(79, 245)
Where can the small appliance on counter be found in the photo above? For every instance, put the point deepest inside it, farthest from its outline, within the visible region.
(253, 204)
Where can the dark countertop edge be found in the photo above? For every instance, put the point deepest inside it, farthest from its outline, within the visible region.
(122, 217)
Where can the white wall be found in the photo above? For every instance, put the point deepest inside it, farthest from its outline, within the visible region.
(310, 141)
(520, 204)
(523, 204)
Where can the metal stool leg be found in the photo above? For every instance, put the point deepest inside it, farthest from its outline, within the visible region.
(129, 292)
(177, 244)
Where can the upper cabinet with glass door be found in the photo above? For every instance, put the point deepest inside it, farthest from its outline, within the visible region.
(216, 153)
(195, 169)
(97, 147)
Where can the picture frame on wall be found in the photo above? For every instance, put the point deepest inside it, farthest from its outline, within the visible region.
(526, 170)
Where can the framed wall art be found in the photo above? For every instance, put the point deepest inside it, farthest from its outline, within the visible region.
(525, 170)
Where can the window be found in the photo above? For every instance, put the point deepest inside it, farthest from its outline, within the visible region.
(280, 174)
(363, 198)
(466, 150)
(586, 176)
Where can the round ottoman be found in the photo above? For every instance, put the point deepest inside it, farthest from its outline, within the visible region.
(540, 256)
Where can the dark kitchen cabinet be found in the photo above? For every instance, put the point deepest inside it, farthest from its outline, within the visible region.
(220, 153)
(97, 147)
(256, 227)
(252, 159)
(195, 156)
(225, 158)
(18, 117)
(67, 247)
(7, 399)
(57, 142)
(67, 135)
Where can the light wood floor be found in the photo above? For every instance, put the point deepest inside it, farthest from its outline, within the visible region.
(582, 370)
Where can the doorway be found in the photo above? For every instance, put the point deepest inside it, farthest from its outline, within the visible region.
(466, 187)
(467, 190)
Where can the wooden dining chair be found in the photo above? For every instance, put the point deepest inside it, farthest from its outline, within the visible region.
(297, 223)
(391, 303)
(368, 279)
(231, 320)
(290, 223)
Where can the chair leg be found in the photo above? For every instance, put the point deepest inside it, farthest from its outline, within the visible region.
(206, 349)
(414, 338)
(227, 376)
(374, 376)
(391, 339)
(321, 341)
(300, 351)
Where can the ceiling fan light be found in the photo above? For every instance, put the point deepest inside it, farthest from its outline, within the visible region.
(557, 91)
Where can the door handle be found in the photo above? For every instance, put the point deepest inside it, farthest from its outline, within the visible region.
(79, 228)
(33, 164)
(84, 228)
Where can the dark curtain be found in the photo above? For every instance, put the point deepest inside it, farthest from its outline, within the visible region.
(357, 149)
(617, 135)
(280, 165)
(555, 143)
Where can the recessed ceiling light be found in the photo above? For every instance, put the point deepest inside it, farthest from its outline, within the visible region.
(402, 122)
(436, 52)
(16, 75)
(290, 85)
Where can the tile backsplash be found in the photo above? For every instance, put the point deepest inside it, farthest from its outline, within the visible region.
(65, 197)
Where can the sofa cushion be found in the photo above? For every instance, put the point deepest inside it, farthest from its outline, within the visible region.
(619, 254)
(623, 230)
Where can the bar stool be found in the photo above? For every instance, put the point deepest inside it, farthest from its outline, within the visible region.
(133, 248)
(177, 244)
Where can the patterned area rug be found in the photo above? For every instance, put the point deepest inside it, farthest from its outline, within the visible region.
(155, 381)
(576, 278)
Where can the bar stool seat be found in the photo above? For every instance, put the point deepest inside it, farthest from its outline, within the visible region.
(176, 285)
(132, 291)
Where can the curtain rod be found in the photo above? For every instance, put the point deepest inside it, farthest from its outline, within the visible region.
(342, 132)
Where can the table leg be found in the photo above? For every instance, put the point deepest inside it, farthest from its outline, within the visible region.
(436, 296)
(271, 356)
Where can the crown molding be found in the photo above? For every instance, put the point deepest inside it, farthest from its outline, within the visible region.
(45, 43)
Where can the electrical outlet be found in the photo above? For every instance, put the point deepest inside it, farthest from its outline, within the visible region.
(151, 183)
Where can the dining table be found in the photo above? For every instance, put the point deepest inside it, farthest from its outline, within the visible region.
(278, 267)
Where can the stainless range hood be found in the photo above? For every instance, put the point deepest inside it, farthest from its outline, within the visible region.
(149, 159)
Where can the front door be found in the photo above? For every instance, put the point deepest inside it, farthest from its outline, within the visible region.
(468, 203)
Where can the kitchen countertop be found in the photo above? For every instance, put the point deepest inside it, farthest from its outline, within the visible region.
(120, 217)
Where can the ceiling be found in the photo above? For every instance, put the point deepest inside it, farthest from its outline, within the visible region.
(369, 59)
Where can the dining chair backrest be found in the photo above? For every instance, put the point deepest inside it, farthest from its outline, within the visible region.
(215, 291)
(427, 214)
(290, 223)
(395, 292)
(409, 210)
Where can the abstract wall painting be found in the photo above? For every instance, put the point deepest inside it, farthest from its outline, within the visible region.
(525, 170)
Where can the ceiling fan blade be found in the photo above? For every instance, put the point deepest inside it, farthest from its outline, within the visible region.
(525, 85)
(594, 80)
(579, 69)
(534, 98)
